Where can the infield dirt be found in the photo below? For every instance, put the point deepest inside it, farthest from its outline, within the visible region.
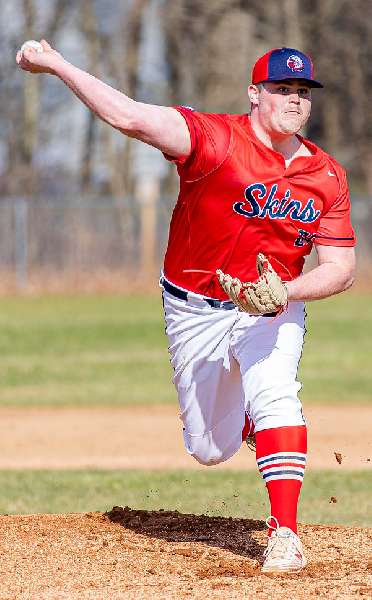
(136, 555)
(151, 438)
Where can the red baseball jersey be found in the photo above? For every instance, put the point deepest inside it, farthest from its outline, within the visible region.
(238, 198)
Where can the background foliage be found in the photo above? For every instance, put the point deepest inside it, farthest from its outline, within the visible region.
(171, 51)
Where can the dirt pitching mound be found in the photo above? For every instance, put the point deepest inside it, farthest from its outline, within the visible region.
(135, 554)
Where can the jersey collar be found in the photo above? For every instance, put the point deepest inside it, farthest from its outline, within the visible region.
(303, 164)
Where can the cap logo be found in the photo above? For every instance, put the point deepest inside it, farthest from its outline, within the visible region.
(295, 63)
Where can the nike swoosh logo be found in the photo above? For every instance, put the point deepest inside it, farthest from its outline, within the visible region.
(331, 174)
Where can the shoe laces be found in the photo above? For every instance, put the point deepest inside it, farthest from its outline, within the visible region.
(282, 542)
(276, 523)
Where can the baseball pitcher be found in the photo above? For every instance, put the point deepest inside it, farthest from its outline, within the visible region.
(255, 197)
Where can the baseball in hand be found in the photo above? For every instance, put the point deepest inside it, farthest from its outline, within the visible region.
(36, 46)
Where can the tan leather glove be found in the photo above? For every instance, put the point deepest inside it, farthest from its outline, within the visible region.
(267, 294)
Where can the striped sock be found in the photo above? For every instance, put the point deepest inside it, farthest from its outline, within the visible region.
(281, 459)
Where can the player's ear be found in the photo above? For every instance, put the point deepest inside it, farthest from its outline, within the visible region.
(253, 93)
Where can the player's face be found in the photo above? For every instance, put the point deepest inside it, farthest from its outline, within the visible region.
(283, 106)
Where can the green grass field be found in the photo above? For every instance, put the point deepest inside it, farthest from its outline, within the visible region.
(111, 350)
(224, 493)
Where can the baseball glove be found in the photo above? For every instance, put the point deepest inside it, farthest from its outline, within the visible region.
(267, 294)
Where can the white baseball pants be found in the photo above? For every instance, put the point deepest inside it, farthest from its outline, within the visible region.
(228, 363)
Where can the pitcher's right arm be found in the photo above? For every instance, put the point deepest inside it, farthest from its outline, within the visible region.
(160, 126)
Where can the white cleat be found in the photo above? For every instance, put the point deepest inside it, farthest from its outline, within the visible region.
(284, 552)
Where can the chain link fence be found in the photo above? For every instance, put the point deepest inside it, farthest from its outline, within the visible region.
(86, 244)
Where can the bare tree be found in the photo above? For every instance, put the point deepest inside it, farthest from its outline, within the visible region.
(88, 27)
(22, 96)
(211, 47)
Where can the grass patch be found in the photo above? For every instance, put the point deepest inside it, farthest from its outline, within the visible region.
(336, 358)
(111, 350)
(84, 350)
(211, 492)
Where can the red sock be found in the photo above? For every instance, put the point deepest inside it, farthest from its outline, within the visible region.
(281, 459)
(248, 428)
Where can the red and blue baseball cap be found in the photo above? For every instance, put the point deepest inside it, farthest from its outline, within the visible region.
(284, 63)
